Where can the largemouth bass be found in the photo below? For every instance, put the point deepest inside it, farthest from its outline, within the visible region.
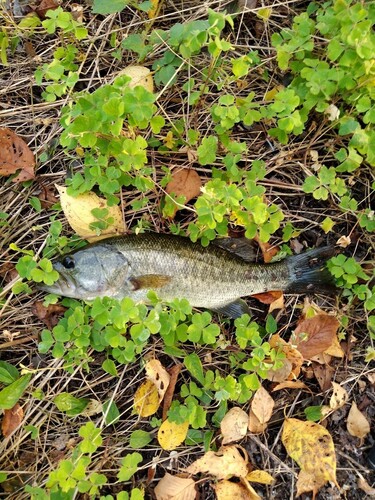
(174, 267)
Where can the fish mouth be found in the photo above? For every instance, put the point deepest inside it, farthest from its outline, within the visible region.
(65, 286)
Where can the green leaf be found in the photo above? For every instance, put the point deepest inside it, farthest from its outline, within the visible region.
(10, 395)
(8, 373)
(313, 413)
(207, 150)
(92, 438)
(139, 439)
(194, 365)
(69, 404)
(129, 466)
(109, 366)
(105, 7)
(111, 412)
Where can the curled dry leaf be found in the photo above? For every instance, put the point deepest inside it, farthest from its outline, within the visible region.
(291, 384)
(260, 476)
(50, 315)
(234, 425)
(262, 405)
(291, 355)
(323, 374)
(339, 396)
(254, 426)
(78, 210)
(343, 241)
(227, 490)
(158, 375)
(184, 182)
(268, 297)
(11, 420)
(311, 446)
(140, 77)
(146, 399)
(171, 435)
(357, 424)
(175, 488)
(229, 461)
(314, 335)
(15, 155)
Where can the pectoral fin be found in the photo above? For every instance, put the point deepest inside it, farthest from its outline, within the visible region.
(234, 309)
(150, 281)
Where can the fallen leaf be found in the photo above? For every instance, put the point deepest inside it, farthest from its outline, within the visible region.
(171, 435)
(146, 399)
(254, 426)
(50, 315)
(11, 420)
(291, 354)
(332, 112)
(314, 335)
(252, 494)
(357, 424)
(47, 196)
(277, 304)
(173, 372)
(323, 374)
(335, 349)
(343, 241)
(45, 5)
(140, 77)
(93, 408)
(339, 396)
(268, 297)
(15, 155)
(158, 375)
(227, 490)
(262, 405)
(78, 209)
(268, 251)
(184, 182)
(290, 384)
(260, 476)
(281, 373)
(234, 425)
(175, 488)
(154, 10)
(223, 464)
(311, 446)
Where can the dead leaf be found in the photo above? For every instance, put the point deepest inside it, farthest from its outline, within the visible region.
(339, 396)
(335, 349)
(277, 304)
(323, 374)
(252, 494)
(254, 426)
(11, 420)
(343, 241)
(146, 399)
(47, 196)
(268, 251)
(50, 315)
(227, 490)
(15, 155)
(262, 405)
(311, 446)
(281, 373)
(357, 424)
(234, 425)
(314, 335)
(140, 77)
(260, 476)
(171, 435)
(184, 182)
(78, 209)
(173, 372)
(158, 375)
(175, 488)
(291, 384)
(364, 486)
(45, 5)
(268, 297)
(291, 354)
(223, 464)
(152, 13)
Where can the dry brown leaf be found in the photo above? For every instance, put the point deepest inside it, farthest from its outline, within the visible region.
(343, 241)
(254, 426)
(223, 464)
(146, 399)
(11, 420)
(156, 372)
(339, 396)
(50, 315)
(268, 297)
(290, 384)
(311, 446)
(78, 209)
(171, 435)
(15, 155)
(277, 304)
(227, 490)
(357, 424)
(45, 5)
(335, 349)
(268, 251)
(291, 354)
(175, 488)
(173, 373)
(262, 405)
(282, 373)
(323, 374)
(234, 425)
(184, 182)
(314, 335)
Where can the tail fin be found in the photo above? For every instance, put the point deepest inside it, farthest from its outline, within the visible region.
(308, 272)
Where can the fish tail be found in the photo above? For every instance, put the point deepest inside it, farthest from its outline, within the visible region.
(308, 272)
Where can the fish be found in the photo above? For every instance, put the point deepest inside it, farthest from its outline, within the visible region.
(212, 277)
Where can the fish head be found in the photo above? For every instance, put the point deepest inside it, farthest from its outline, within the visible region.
(95, 271)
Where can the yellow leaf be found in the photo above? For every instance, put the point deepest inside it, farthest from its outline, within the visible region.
(169, 140)
(234, 425)
(78, 209)
(262, 405)
(226, 490)
(140, 77)
(311, 446)
(357, 424)
(146, 399)
(171, 435)
(339, 397)
(270, 95)
(152, 13)
(264, 13)
(291, 384)
(223, 464)
(156, 372)
(175, 488)
(260, 476)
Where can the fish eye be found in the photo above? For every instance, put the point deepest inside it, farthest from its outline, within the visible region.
(68, 262)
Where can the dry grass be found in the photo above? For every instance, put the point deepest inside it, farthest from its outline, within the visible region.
(23, 111)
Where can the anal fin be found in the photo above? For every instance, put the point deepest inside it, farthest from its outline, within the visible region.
(234, 309)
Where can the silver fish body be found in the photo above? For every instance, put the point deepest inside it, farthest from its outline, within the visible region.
(212, 277)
